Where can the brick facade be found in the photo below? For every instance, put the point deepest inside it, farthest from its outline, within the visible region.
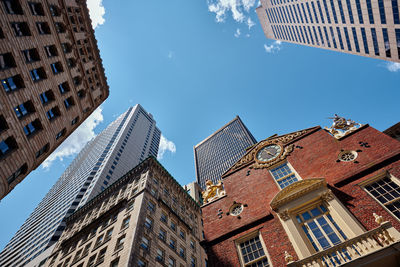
(315, 155)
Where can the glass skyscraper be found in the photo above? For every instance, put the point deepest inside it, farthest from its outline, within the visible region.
(126, 142)
(368, 28)
(215, 154)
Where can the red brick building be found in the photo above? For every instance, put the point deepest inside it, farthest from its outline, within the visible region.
(308, 199)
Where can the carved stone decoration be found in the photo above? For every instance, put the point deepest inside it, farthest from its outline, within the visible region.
(327, 196)
(284, 215)
(286, 151)
(288, 257)
(378, 219)
(212, 191)
(250, 157)
(341, 126)
(295, 191)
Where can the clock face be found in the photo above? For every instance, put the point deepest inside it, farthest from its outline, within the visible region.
(268, 153)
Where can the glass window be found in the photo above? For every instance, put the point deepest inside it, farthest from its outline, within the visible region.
(145, 243)
(321, 230)
(395, 9)
(364, 37)
(162, 235)
(350, 11)
(333, 37)
(148, 223)
(375, 41)
(172, 244)
(346, 34)
(355, 39)
(386, 42)
(171, 262)
(340, 38)
(160, 255)
(252, 252)
(370, 12)
(341, 11)
(283, 175)
(334, 11)
(382, 11)
(151, 207)
(359, 12)
(398, 41)
(327, 11)
(387, 192)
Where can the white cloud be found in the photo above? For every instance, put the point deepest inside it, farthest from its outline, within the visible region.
(77, 140)
(237, 8)
(96, 12)
(393, 66)
(237, 33)
(273, 48)
(165, 145)
(250, 23)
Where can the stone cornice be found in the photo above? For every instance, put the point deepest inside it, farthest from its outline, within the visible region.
(295, 191)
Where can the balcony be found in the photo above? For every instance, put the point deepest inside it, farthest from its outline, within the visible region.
(379, 246)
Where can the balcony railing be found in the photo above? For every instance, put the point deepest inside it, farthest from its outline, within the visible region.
(351, 249)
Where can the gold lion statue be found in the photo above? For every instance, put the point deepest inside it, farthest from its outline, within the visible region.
(212, 191)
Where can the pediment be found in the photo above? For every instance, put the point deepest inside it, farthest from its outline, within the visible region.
(283, 140)
(296, 190)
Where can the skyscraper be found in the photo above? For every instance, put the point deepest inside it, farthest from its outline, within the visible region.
(122, 145)
(215, 154)
(51, 78)
(368, 28)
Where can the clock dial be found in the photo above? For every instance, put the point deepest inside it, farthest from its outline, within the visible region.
(268, 153)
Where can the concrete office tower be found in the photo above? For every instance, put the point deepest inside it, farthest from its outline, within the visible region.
(122, 145)
(51, 77)
(368, 28)
(144, 219)
(215, 154)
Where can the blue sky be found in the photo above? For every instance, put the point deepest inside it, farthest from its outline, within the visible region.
(195, 65)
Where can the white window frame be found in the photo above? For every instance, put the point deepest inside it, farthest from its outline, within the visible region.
(377, 178)
(248, 237)
(290, 167)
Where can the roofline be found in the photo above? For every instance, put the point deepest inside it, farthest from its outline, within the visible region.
(220, 129)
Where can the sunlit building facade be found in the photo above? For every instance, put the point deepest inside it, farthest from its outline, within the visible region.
(122, 145)
(368, 28)
(52, 79)
(215, 154)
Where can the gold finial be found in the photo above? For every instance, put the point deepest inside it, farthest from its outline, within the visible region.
(341, 126)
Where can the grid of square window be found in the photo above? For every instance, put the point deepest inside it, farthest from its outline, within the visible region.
(284, 175)
(387, 192)
(253, 253)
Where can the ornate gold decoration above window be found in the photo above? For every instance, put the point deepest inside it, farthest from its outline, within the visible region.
(212, 191)
(347, 155)
(341, 126)
(296, 190)
(251, 157)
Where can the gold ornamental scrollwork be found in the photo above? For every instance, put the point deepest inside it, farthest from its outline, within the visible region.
(327, 196)
(286, 151)
(284, 215)
(250, 157)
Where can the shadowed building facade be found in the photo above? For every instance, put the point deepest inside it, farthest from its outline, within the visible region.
(144, 219)
(122, 145)
(51, 77)
(215, 154)
(368, 28)
(313, 197)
